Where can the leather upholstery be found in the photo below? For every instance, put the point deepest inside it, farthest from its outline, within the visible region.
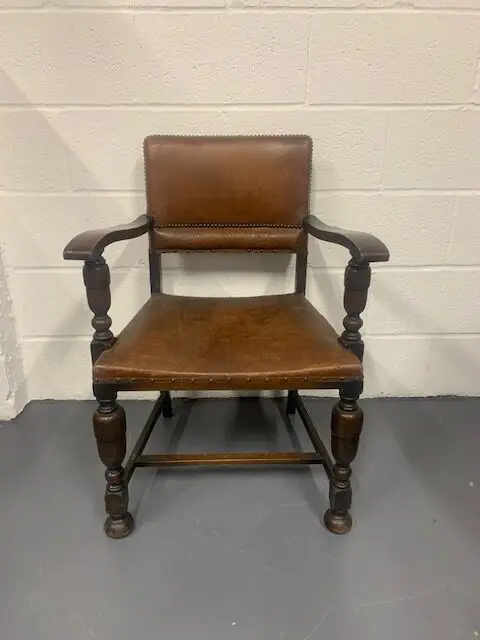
(230, 193)
(265, 342)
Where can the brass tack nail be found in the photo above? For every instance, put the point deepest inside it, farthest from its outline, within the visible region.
(210, 379)
(173, 379)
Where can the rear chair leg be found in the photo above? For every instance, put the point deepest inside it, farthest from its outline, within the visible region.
(291, 403)
(167, 410)
(110, 431)
(347, 420)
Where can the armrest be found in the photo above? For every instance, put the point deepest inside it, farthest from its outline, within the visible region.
(362, 246)
(90, 244)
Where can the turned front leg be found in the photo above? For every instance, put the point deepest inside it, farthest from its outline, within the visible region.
(110, 432)
(347, 421)
(109, 423)
(347, 417)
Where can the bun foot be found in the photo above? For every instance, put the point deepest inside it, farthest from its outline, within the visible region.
(117, 528)
(338, 522)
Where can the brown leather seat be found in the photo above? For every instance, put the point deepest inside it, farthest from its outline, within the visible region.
(179, 342)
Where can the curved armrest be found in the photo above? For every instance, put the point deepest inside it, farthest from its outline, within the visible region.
(90, 244)
(362, 246)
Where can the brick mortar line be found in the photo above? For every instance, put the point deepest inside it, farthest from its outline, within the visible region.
(129, 193)
(385, 153)
(307, 61)
(214, 107)
(243, 10)
(453, 226)
(476, 78)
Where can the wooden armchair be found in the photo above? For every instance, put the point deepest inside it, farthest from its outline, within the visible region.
(227, 194)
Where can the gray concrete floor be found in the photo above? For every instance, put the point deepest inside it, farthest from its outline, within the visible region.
(242, 554)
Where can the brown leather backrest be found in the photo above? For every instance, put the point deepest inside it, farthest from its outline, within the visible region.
(227, 193)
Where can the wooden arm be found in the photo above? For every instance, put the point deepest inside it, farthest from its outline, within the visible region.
(362, 246)
(90, 244)
(364, 249)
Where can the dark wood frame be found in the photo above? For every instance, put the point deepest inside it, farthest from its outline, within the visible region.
(109, 418)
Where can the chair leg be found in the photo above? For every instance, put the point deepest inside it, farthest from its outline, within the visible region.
(110, 431)
(291, 404)
(167, 410)
(347, 420)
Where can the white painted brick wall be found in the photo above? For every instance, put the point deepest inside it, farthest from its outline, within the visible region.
(12, 380)
(389, 91)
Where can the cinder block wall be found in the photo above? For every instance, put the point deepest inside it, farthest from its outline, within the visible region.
(388, 90)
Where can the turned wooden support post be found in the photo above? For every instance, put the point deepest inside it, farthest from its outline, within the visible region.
(357, 281)
(347, 417)
(347, 421)
(109, 423)
(96, 276)
(109, 426)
